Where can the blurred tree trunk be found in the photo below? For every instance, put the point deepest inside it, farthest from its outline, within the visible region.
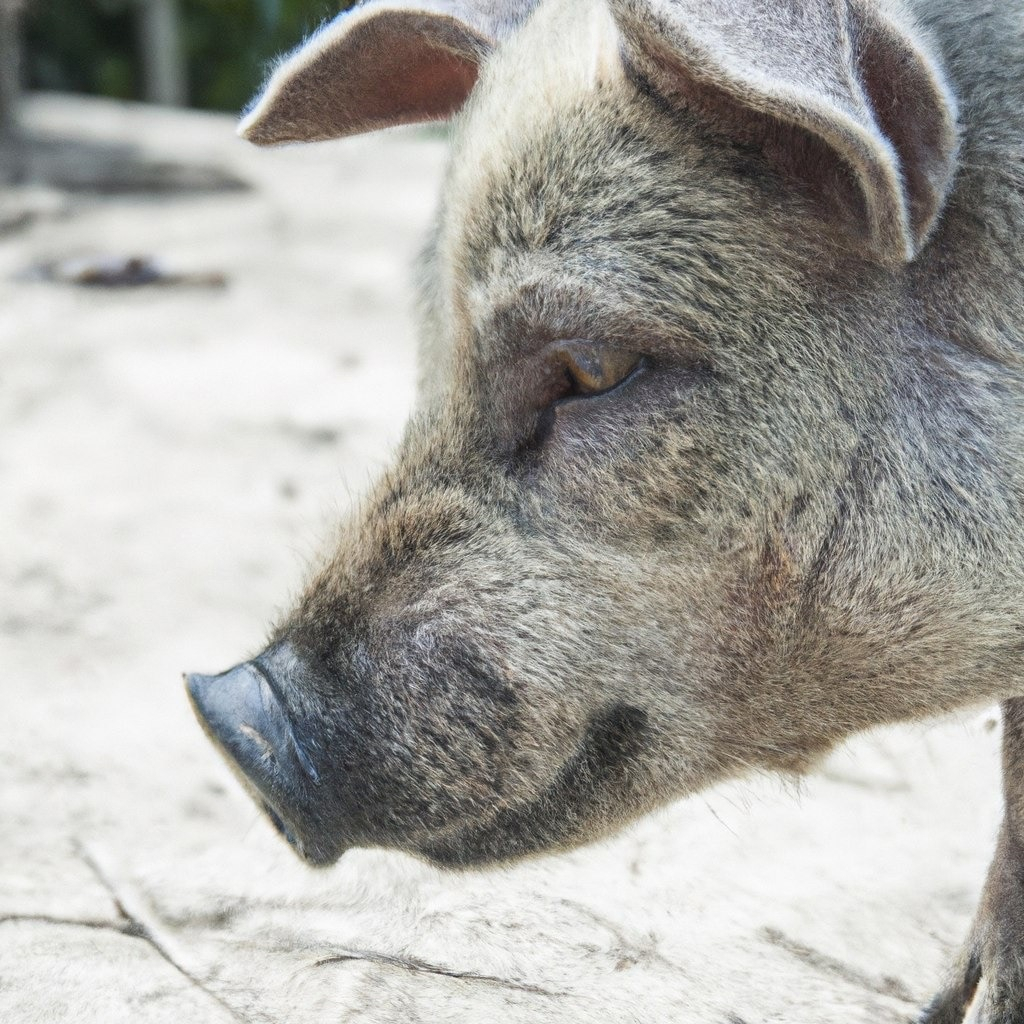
(163, 57)
(10, 67)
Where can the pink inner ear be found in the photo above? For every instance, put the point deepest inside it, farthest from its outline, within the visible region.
(409, 79)
(398, 67)
(915, 117)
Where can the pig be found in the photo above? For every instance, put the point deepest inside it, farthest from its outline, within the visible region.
(717, 456)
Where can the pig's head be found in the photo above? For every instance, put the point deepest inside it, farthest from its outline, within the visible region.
(668, 508)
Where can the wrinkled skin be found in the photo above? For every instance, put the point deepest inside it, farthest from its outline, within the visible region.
(798, 516)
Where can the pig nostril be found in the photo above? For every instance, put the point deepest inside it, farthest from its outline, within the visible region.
(307, 765)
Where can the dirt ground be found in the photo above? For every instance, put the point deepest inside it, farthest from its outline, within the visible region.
(170, 458)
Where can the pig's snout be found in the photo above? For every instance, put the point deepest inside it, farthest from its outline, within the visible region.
(245, 712)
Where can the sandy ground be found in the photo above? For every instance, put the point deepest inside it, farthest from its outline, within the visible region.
(170, 457)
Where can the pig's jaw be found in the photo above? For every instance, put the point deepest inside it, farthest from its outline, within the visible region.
(573, 809)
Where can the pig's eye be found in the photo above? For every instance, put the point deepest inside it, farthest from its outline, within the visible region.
(568, 371)
(588, 368)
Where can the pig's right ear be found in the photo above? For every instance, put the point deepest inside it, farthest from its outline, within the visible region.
(380, 64)
(844, 95)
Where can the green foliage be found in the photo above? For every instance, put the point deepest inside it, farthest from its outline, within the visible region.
(92, 45)
(82, 47)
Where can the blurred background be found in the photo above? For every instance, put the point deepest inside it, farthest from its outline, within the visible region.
(209, 54)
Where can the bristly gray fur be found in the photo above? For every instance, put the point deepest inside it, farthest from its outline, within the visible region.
(803, 518)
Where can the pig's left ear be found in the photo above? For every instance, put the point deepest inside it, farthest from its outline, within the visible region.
(842, 93)
(383, 63)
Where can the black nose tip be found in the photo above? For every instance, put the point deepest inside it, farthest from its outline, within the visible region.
(260, 715)
(245, 717)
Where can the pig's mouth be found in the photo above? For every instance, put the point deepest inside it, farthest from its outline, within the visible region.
(278, 822)
(245, 712)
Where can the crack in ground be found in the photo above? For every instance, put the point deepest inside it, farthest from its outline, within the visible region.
(121, 927)
(410, 963)
(630, 951)
(894, 988)
(136, 928)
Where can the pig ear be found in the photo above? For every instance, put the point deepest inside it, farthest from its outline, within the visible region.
(841, 92)
(383, 63)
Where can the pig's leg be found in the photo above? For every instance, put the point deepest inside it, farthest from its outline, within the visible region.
(995, 949)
